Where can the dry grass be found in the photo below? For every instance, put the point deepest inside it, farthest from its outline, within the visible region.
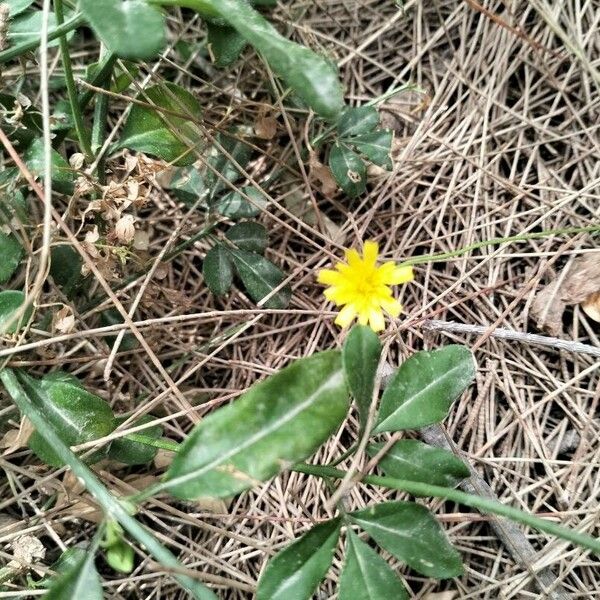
(505, 141)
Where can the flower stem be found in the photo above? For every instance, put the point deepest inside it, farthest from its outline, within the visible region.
(82, 136)
(485, 505)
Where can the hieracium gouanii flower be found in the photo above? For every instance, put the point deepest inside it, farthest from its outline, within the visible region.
(362, 287)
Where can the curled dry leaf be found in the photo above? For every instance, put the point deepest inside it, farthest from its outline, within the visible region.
(322, 175)
(265, 128)
(577, 283)
(64, 320)
(27, 549)
(16, 439)
(591, 306)
(125, 229)
(76, 160)
(141, 240)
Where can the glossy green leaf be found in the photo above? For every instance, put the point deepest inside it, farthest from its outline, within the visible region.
(65, 269)
(130, 452)
(11, 252)
(226, 153)
(416, 461)
(276, 423)
(130, 29)
(187, 184)
(411, 533)
(422, 390)
(17, 6)
(249, 236)
(161, 134)
(62, 175)
(27, 26)
(360, 356)
(376, 146)
(81, 580)
(295, 572)
(356, 121)
(313, 78)
(348, 169)
(120, 557)
(235, 206)
(76, 415)
(366, 575)
(260, 277)
(225, 44)
(217, 270)
(10, 302)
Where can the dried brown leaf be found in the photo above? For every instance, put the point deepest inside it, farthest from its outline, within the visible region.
(591, 306)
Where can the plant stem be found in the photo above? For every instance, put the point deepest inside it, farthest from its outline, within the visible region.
(418, 260)
(15, 51)
(82, 136)
(111, 506)
(485, 505)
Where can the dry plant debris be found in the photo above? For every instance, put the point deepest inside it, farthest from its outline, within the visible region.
(505, 141)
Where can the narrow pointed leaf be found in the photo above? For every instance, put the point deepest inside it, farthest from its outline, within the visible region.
(422, 390)
(260, 277)
(376, 146)
(218, 270)
(163, 134)
(411, 533)
(249, 236)
(366, 575)
(296, 571)
(415, 461)
(360, 356)
(357, 120)
(348, 169)
(274, 424)
(130, 29)
(81, 580)
(312, 77)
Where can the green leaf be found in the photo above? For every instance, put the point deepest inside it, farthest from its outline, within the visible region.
(187, 184)
(130, 29)
(217, 270)
(376, 146)
(218, 162)
(120, 556)
(235, 206)
(77, 415)
(225, 44)
(11, 252)
(360, 356)
(10, 302)
(81, 580)
(422, 390)
(276, 423)
(366, 575)
(411, 533)
(62, 174)
(355, 121)
(26, 28)
(163, 134)
(313, 78)
(416, 461)
(348, 169)
(130, 452)
(65, 269)
(248, 236)
(260, 277)
(17, 6)
(295, 572)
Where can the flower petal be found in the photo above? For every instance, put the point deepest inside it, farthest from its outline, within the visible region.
(329, 277)
(346, 315)
(391, 307)
(376, 320)
(353, 257)
(370, 253)
(401, 275)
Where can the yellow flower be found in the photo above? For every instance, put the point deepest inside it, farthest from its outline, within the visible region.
(363, 288)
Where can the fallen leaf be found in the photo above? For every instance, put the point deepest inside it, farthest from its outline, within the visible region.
(27, 549)
(64, 320)
(15, 439)
(124, 229)
(591, 306)
(265, 128)
(579, 280)
(322, 175)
